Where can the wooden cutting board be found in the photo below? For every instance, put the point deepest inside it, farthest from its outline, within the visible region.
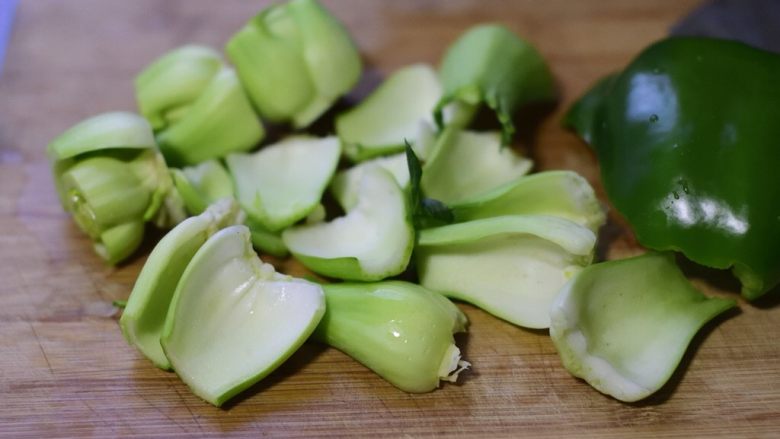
(66, 371)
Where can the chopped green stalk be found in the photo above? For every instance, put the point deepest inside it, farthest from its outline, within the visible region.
(510, 266)
(346, 184)
(104, 131)
(168, 86)
(202, 185)
(490, 64)
(465, 164)
(564, 194)
(400, 330)
(282, 183)
(111, 178)
(623, 326)
(391, 114)
(147, 306)
(196, 106)
(267, 241)
(233, 319)
(119, 242)
(295, 60)
(373, 241)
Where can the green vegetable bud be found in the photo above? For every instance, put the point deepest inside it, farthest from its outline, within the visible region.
(400, 330)
(196, 106)
(111, 178)
(490, 64)
(295, 59)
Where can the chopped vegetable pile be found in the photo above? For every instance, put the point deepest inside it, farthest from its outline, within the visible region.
(403, 188)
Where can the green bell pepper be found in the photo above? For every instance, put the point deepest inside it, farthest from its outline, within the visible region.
(687, 137)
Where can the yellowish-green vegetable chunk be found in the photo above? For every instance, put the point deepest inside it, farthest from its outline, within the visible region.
(295, 60)
(374, 240)
(196, 106)
(564, 194)
(233, 319)
(401, 331)
(465, 164)
(391, 115)
(283, 183)
(624, 325)
(510, 266)
(146, 309)
(112, 179)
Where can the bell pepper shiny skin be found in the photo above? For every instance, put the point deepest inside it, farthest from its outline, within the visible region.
(688, 140)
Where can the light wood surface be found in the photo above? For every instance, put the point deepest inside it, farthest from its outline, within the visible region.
(66, 371)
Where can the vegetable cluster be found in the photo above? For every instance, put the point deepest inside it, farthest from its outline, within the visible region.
(421, 194)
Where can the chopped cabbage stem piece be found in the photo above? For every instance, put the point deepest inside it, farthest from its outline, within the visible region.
(202, 185)
(372, 242)
(295, 60)
(233, 319)
(623, 326)
(111, 178)
(346, 184)
(510, 266)
(144, 316)
(381, 123)
(489, 64)
(465, 164)
(564, 194)
(400, 330)
(282, 183)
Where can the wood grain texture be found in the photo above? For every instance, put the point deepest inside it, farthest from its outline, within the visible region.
(66, 371)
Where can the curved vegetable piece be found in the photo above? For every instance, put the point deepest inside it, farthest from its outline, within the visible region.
(400, 330)
(688, 156)
(144, 316)
(233, 319)
(564, 194)
(202, 184)
(111, 178)
(465, 164)
(295, 59)
(510, 266)
(346, 184)
(391, 114)
(491, 64)
(267, 241)
(373, 241)
(624, 325)
(283, 183)
(196, 106)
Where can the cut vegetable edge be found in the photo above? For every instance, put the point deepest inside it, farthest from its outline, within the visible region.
(259, 176)
(420, 351)
(384, 249)
(381, 123)
(583, 357)
(511, 267)
(250, 319)
(564, 194)
(160, 275)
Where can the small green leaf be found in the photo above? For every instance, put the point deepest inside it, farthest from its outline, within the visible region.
(121, 304)
(426, 212)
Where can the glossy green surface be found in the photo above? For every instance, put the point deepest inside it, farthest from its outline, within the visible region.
(401, 331)
(689, 145)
